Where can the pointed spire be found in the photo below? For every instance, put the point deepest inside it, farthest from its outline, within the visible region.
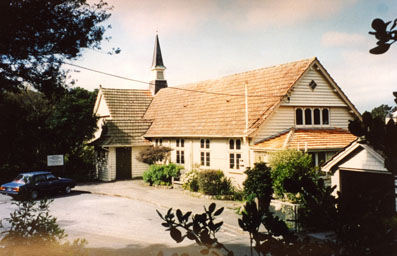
(157, 58)
(158, 69)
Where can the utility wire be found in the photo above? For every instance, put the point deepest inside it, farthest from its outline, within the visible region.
(175, 88)
(104, 73)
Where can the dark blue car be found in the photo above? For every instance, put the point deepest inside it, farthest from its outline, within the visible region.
(32, 184)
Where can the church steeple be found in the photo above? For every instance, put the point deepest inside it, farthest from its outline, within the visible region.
(157, 57)
(157, 68)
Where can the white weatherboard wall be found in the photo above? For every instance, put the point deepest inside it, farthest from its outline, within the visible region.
(364, 161)
(282, 119)
(303, 95)
(137, 167)
(340, 116)
(108, 172)
(219, 156)
(322, 95)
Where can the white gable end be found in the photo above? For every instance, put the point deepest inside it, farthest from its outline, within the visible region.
(101, 108)
(364, 160)
(323, 93)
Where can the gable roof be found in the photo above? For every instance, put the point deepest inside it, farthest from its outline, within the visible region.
(356, 156)
(312, 139)
(123, 132)
(125, 125)
(216, 107)
(126, 103)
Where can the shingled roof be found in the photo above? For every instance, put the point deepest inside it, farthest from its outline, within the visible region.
(126, 125)
(127, 103)
(328, 138)
(220, 111)
(125, 132)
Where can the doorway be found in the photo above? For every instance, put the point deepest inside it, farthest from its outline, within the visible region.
(123, 163)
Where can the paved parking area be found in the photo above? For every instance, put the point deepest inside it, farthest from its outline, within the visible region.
(119, 218)
(164, 197)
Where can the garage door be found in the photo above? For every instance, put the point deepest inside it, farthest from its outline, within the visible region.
(363, 190)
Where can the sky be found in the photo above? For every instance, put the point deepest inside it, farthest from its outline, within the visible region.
(207, 39)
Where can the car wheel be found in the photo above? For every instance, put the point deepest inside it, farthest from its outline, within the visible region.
(34, 195)
(15, 197)
(67, 189)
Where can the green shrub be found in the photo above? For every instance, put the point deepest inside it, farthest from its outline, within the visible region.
(258, 184)
(214, 182)
(190, 180)
(161, 174)
(31, 230)
(290, 164)
(152, 155)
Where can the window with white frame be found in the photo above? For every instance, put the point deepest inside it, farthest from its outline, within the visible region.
(312, 116)
(205, 154)
(159, 142)
(318, 158)
(234, 153)
(180, 151)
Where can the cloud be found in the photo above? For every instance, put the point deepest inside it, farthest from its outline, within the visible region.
(172, 16)
(367, 79)
(257, 13)
(180, 16)
(344, 40)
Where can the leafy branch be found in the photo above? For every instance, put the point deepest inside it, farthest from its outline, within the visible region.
(386, 37)
(201, 228)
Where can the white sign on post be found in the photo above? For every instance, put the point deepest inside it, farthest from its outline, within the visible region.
(54, 160)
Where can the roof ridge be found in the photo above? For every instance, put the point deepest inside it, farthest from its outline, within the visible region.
(125, 89)
(310, 60)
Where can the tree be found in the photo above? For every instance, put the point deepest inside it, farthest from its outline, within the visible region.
(152, 155)
(290, 164)
(382, 111)
(382, 137)
(37, 36)
(259, 184)
(37, 127)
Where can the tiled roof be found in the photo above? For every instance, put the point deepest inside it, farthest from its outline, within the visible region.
(123, 132)
(312, 139)
(127, 103)
(187, 111)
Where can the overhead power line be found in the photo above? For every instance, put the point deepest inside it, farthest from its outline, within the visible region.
(175, 88)
(104, 73)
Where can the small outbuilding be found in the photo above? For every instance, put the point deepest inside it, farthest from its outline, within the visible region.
(359, 171)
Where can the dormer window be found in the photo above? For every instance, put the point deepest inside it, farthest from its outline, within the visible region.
(313, 84)
(311, 116)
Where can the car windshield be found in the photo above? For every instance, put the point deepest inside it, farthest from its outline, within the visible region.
(22, 179)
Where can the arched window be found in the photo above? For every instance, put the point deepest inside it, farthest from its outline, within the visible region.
(202, 143)
(308, 116)
(299, 116)
(238, 144)
(207, 143)
(316, 115)
(231, 144)
(325, 116)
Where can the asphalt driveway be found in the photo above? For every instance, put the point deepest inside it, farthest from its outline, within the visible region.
(119, 218)
(165, 198)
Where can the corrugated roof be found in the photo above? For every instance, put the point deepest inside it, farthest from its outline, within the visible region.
(127, 103)
(312, 139)
(187, 111)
